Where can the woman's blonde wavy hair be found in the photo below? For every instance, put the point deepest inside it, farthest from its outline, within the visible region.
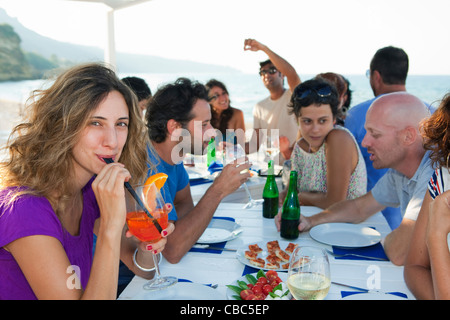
(40, 148)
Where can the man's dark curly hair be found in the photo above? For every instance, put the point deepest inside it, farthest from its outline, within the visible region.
(172, 101)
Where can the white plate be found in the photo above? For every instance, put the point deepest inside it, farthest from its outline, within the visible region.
(230, 293)
(373, 296)
(181, 291)
(240, 254)
(345, 235)
(220, 230)
(196, 173)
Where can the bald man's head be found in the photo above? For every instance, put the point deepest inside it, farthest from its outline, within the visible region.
(398, 110)
(392, 125)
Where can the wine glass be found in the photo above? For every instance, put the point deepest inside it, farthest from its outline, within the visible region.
(143, 228)
(231, 153)
(309, 273)
(271, 147)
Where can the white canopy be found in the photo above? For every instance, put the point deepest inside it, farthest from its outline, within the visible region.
(110, 51)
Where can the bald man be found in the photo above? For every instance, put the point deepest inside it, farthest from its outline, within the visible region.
(393, 141)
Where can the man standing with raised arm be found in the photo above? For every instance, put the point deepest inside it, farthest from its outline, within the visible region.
(272, 112)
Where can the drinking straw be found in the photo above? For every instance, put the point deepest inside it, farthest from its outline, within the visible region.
(138, 200)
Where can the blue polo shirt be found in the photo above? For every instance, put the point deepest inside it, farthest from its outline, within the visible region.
(177, 180)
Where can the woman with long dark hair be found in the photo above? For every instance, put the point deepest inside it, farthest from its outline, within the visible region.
(56, 190)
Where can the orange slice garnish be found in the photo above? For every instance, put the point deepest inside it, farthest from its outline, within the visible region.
(158, 180)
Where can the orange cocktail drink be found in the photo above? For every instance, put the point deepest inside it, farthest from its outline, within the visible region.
(139, 223)
(142, 227)
(142, 224)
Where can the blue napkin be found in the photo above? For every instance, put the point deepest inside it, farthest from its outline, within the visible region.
(375, 251)
(186, 280)
(214, 167)
(349, 293)
(217, 245)
(249, 269)
(194, 182)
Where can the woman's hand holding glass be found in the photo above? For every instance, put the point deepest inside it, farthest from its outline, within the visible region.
(142, 226)
(155, 247)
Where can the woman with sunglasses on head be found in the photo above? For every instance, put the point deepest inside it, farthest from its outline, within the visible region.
(427, 266)
(328, 161)
(342, 89)
(56, 190)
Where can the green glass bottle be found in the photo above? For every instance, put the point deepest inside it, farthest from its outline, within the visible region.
(211, 152)
(290, 214)
(270, 194)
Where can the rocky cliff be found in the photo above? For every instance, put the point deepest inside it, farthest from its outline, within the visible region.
(13, 64)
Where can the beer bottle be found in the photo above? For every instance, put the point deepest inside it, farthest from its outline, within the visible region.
(211, 152)
(270, 194)
(290, 214)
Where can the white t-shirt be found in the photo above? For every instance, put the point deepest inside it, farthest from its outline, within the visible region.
(274, 114)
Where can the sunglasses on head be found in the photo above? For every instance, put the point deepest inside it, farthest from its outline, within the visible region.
(271, 70)
(322, 92)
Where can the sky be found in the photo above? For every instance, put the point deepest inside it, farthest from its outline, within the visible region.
(314, 36)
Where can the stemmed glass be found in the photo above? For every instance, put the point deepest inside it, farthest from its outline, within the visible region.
(233, 152)
(271, 147)
(142, 227)
(309, 273)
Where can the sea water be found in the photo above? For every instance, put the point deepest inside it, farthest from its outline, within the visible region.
(245, 90)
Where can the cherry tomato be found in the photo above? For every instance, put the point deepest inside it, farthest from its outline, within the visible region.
(262, 280)
(275, 282)
(246, 294)
(260, 296)
(267, 288)
(249, 285)
(257, 289)
(271, 273)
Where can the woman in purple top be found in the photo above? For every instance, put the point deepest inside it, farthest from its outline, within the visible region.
(56, 190)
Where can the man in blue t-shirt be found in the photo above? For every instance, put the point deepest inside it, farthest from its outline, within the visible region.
(178, 119)
(387, 73)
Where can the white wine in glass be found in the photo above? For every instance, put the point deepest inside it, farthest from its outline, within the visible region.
(309, 274)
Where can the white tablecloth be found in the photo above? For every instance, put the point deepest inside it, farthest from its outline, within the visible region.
(224, 268)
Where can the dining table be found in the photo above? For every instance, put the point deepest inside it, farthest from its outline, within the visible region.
(214, 269)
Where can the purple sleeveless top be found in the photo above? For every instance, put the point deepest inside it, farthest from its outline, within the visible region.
(32, 215)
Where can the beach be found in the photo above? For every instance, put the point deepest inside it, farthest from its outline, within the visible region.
(10, 116)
